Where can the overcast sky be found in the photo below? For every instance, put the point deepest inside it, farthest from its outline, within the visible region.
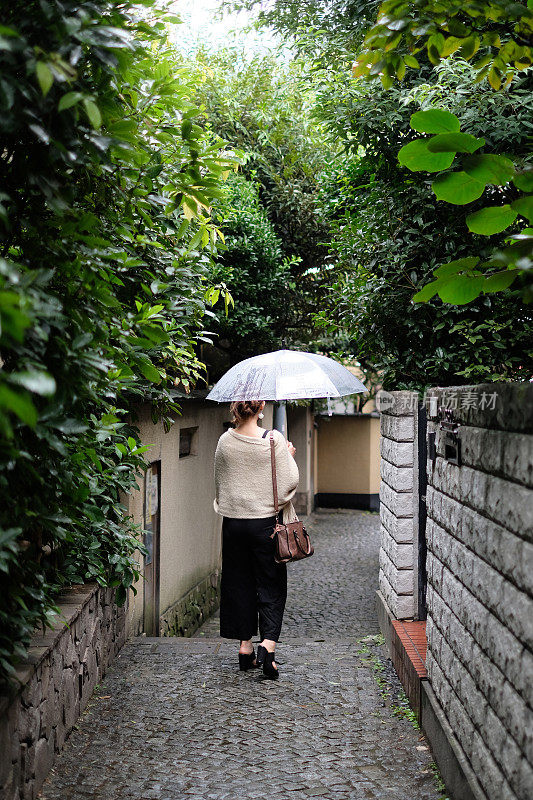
(201, 21)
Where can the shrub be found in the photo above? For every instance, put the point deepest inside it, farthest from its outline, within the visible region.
(105, 243)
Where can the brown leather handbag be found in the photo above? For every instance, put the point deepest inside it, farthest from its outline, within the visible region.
(292, 541)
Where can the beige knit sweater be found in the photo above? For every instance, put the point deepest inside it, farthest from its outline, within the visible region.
(243, 476)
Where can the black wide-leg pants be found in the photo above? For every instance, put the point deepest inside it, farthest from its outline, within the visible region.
(252, 586)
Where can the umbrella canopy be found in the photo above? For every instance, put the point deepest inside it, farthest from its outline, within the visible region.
(285, 375)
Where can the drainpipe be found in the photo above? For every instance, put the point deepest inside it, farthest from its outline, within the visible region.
(280, 417)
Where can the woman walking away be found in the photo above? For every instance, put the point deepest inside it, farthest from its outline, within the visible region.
(253, 585)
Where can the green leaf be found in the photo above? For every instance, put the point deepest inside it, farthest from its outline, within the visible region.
(5, 31)
(39, 382)
(68, 426)
(456, 27)
(150, 372)
(434, 120)
(426, 293)
(20, 404)
(488, 168)
(454, 142)
(452, 267)
(44, 76)
(451, 45)
(490, 220)
(68, 100)
(457, 188)
(40, 132)
(524, 181)
(524, 207)
(461, 289)
(416, 157)
(93, 112)
(494, 78)
(500, 280)
(470, 47)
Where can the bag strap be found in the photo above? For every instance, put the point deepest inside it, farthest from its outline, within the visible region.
(273, 465)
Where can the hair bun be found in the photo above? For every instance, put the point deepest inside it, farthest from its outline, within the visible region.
(244, 409)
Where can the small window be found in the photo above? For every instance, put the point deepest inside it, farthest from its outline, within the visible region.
(188, 438)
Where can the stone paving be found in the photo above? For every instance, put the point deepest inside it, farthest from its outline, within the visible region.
(176, 719)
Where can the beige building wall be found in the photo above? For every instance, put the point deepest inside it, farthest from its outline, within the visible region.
(375, 454)
(314, 457)
(300, 433)
(348, 461)
(190, 530)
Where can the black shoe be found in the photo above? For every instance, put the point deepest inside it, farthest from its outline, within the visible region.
(246, 661)
(265, 659)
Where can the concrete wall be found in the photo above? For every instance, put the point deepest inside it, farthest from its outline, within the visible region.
(57, 678)
(190, 529)
(480, 584)
(300, 432)
(399, 503)
(348, 461)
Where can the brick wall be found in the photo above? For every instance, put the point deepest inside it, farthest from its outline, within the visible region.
(480, 584)
(398, 501)
(57, 679)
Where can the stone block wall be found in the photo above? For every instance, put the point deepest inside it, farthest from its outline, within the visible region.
(62, 668)
(187, 614)
(480, 584)
(398, 502)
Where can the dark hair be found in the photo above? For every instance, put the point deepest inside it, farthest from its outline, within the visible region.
(244, 409)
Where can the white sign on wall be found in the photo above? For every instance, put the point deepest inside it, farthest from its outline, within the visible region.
(151, 493)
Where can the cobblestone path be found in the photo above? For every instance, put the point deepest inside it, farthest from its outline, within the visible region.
(176, 719)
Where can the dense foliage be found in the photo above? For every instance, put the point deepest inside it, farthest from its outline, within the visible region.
(381, 254)
(261, 104)
(497, 33)
(277, 243)
(389, 230)
(257, 274)
(327, 32)
(497, 36)
(463, 280)
(269, 306)
(391, 233)
(107, 178)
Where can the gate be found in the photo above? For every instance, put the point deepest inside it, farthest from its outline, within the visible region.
(422, 511)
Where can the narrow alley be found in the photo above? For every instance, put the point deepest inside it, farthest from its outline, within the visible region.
(175, 718)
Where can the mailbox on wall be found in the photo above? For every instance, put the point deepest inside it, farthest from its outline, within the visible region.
(452, 441)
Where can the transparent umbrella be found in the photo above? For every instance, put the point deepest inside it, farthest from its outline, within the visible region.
(285, 375)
